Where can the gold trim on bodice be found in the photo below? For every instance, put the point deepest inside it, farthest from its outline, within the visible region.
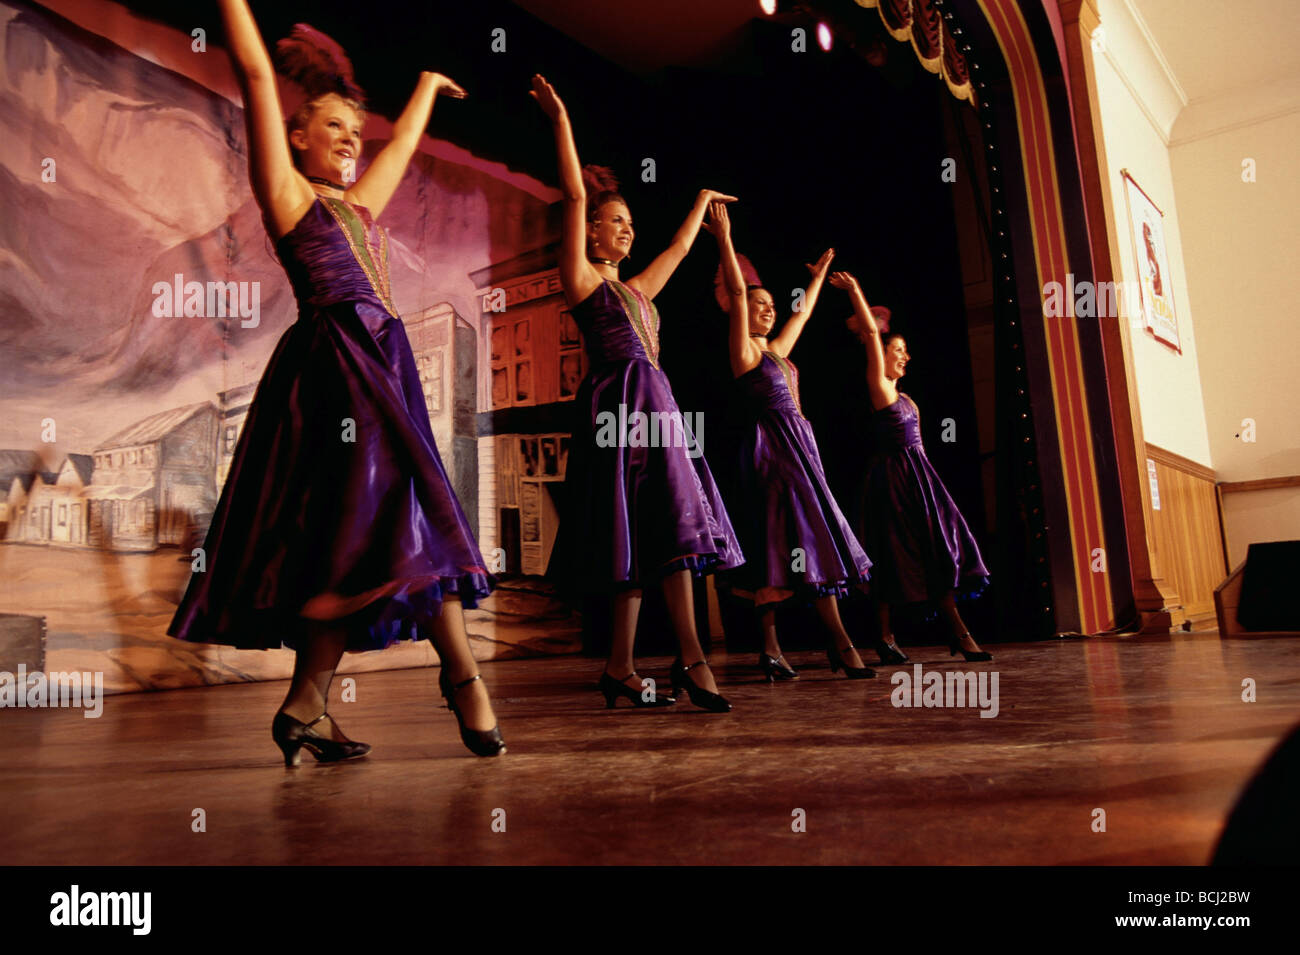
(373, 261)
(643, 315)
(791, 376)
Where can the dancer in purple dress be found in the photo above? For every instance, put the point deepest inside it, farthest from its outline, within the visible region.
(337, 528)
(797, 541)
(642, 506)
(923, 549)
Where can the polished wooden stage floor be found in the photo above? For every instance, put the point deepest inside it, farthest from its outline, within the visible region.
(1152, 730)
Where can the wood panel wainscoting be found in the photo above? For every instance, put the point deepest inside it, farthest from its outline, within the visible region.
(1188, 532)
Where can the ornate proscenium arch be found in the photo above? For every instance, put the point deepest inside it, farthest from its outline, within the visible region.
(1019, 78)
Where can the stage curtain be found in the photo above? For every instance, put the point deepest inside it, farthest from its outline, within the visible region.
(919, 22)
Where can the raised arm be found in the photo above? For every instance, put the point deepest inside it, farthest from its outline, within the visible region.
(656, 275)
(784, 343)
(745, 355)
(277, 186)
(576, 273)
(376, 187)
(883, 392)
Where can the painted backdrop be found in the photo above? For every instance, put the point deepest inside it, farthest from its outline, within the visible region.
(123, 179)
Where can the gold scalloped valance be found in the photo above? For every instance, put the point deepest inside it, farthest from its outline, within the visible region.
(919, 22)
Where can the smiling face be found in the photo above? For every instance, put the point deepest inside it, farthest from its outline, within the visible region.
(328, 143)
(896, 358)
(762, 311)
(609, 231)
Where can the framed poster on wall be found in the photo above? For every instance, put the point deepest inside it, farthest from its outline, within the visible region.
(1146, 225)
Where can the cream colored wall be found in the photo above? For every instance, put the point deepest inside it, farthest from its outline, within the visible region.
(1233, 254)
(1138, 103)
(1251, 517)
(1241, 244)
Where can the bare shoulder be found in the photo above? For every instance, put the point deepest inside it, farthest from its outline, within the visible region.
(286, 210)
(751, 360)
(635, 282)
(585, 286)
(883, 398)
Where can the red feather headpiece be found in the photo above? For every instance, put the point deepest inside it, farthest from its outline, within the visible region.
(316, 63)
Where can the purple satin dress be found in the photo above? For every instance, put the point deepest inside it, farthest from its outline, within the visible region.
(921, 543)
(640, 501)
(795, 536)
(337, 505)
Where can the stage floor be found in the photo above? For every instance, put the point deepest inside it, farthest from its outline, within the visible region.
(1152, 730)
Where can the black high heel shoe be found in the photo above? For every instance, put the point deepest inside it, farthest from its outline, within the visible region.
(775, 668)
(292, 735)
(972, 656)
(613, 689)
(478, 742)
(705, 700)
(889, 652)
(853, 673)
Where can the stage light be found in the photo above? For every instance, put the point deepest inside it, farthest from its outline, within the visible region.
(824, 36)
(767, 6)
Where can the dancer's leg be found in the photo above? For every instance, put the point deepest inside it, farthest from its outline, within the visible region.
(452, 644)
(887, 646)
(622, 664)
(957, 626)
(681, 610)
(320, 647)
(767, 624)
(829, 610)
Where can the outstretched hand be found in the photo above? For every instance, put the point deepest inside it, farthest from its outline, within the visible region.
(718, 224)
(845, 281)
(712, 195)
(446, 86)
(819, 268)
(546, 97)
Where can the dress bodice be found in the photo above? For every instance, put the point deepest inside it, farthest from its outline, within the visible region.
(897, 426)
(772, 385)
(337, 253)
(618, 323)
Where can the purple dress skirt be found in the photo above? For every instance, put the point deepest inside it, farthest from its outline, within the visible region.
(639, 501)
(337, 505)
(796, 538)
(921, 544)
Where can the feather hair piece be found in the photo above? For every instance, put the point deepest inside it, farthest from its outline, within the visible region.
(316, 63)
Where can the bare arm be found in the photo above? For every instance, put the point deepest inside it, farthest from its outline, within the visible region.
(883, 392)
(577, 275)
(382, 177)
(784, 343)
(745, 355)
(656, 275)
(277, 186)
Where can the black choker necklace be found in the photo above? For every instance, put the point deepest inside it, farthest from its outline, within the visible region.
(325, 182)
(603, 261)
